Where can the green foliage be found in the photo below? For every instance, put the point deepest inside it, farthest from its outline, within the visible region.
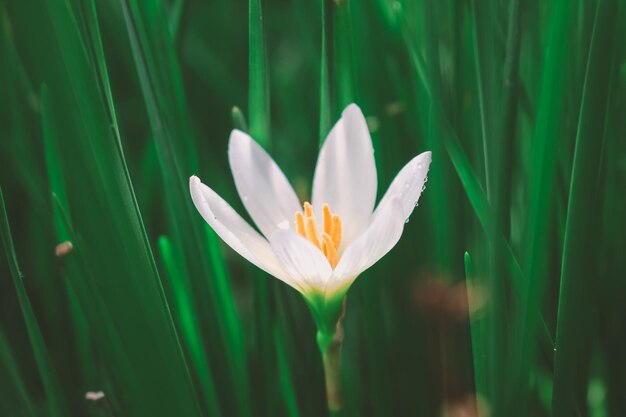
(108, 107)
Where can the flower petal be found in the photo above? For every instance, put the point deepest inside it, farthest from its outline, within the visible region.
(345, 175)
(302, 261)
(408, 185)
(379, 238)
(233, 230)
(267, 195)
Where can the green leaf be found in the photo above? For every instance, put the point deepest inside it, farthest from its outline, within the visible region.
(258, 94)
(574, 324)
(56, 403)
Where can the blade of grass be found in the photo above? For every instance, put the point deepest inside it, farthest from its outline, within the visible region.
(239, 120)
(477, 198)
(14, 377)
(343, 62)
(476, 328)
(56, 404)
(55, 177)
(161, 85)
(482, 210)
(541, 196)
(482, 13)
(119, 287)
(508, 130)
(285, 376)
(337, 85)
(435, 121)
(488, 82)
(82, 336)
(190, 326)
(325, 85)
(576, 294)
(176, 17)
(258, 93)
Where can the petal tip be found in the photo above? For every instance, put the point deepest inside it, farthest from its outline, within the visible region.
(352, 110)
(237, 135)
(352, 107)
(194, 182)
(425, 158)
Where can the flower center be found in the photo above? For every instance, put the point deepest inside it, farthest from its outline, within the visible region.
(328, 243)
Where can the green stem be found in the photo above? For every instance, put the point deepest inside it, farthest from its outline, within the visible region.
(332, 367)
(330, 342)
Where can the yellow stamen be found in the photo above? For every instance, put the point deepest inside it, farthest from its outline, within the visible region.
(328, 219)
(330, 251)
(306, 226)
(312, 233)
(336, 235)
(300, 224)
(308, 210)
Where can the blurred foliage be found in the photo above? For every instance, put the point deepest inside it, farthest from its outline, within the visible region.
(503, 298)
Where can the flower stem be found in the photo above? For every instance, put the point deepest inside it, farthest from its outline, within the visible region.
(330, 343)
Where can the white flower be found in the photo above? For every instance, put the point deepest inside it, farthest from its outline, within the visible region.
(320, 250)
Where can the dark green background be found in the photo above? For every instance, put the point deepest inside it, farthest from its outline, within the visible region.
(107, 107)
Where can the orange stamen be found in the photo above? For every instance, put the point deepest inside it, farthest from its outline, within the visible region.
(330, 251)
(336, 235)
(328, 219)
(300, 224)
(312, 233)
(308, 210)
(306, 226)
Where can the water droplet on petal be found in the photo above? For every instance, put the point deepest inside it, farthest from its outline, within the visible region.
(284, 225)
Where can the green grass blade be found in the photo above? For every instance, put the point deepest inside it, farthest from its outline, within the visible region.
(239, 120)
(473, 189)
(337, 83)
(164, 99)
(258, 92)
(285, 377)
(343, 61)
(14, 378)
(441, 172)
(476, 328)
(54, 398)
(95, 47)
(53, 164)
(190, 328)
(176, 17)
(325, 71)
(482, 13)
(542, 172)
(119, 287)
(574, 324)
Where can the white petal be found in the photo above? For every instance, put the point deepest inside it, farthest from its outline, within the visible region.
(302, 261)
(233, 230)
(267, 195)
(345, 175)
(408, 185)
(379, 238)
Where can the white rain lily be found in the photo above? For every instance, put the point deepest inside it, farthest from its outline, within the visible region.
(319, 248)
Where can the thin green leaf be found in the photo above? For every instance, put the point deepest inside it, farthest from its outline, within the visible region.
(56, 403)
(258, 94)
(576, 292)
